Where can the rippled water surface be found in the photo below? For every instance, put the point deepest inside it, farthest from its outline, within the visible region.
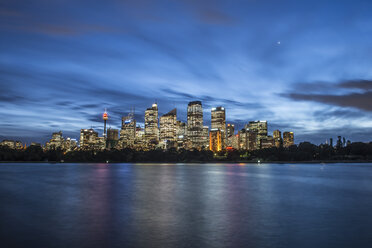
(186, 205)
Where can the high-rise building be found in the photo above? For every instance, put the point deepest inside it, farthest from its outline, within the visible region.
(243, 139)
(69, 144)
(278, 138)
(215, 140)
(267, 142)
(12, 144)
(233, 141)
(168, 128)
(258, 127)
(288, 139)
(128, 131)
(112, 138)
(252, 140)
(151, 126)
(88, 139)
(181, 134)
(56, 142)
(230, 130)
(195, 125)
(218, 121)
(205, 137)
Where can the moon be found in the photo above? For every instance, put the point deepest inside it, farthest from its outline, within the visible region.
(278, 42)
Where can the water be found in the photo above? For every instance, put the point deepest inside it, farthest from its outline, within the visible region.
(185, 205)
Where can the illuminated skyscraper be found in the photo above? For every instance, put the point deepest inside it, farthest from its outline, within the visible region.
(168, 128)
(88, 139)
(215, 140)
(218, 121)
(151, 126)
(230, 130)
(288, 139)
(258, 127)
(128, 131)
(55, 142)
(195, 124)
(112, 138)
(181, 134)
(267, 142)
(278, 138)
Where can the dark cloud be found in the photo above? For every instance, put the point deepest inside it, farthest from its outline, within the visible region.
(357, 84)
(356, 100)
(334, 95)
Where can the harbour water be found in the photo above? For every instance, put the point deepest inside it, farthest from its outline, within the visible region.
(185, 205)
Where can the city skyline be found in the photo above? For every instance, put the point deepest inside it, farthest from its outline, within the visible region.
(304, 67)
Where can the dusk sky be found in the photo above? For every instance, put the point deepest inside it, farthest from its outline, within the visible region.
(304, 66)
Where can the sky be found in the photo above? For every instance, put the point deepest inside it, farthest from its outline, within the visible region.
(304, 66)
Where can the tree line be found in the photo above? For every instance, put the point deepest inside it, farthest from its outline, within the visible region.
(305, 151)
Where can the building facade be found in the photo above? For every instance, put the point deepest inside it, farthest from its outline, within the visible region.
(278, 138)
(218, 121)
(215, 140)
(288, 139)
(151, 126)
(168, 128)
(195, 125)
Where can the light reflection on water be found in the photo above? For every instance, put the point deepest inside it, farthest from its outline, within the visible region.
(182, 205)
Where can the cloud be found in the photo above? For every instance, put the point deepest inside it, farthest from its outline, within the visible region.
(357, 84)
(336, 94)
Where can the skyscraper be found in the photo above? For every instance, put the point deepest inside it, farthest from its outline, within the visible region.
(260, 128)
(278, 138)
(128, 131)
(288, 139)
(112, 138)
(230, 130)
(151, 126)
(215, 140)
(218, 121)
(88, 139)
(195, 124)
(168, 128)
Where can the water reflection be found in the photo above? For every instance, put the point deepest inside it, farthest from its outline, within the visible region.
(181, 205)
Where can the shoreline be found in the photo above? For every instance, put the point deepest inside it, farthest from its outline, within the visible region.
(200, 162)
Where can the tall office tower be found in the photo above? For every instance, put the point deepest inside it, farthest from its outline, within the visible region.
(331, 142)
(233, 141)
(242, 139)
(128, 131)
(168, 128)
(181, 134)
(55, 142)
(218, 121)
(195, 124)
(69, 144)
(267, 142)
(288, 139)
(278, 138)
(88, 139)
(230, 130)
(215, 140)
(258, 127)
(112, 138)
(252, 141)
(151, 126)
(105, 118)
(205, 137)
(139, 143)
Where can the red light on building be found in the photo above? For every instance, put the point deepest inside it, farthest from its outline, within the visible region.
(229, 148)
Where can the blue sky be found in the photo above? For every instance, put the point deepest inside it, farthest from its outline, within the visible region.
(304, 66)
